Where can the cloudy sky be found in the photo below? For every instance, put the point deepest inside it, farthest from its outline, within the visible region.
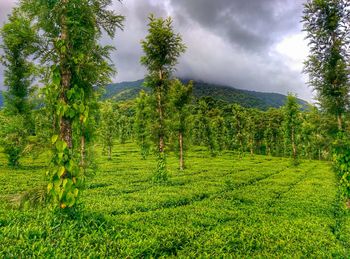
(248, 44)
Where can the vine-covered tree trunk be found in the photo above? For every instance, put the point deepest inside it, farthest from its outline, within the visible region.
(78, 64)
(65, 122)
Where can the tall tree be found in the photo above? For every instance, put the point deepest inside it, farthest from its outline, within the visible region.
(180, 99)
(19, 42)
(14, 134)
(70, 31)
(219, 128)
(327, 24)
(239, 121)
(203, 124)
(162, 48)
(273, 133)
(142, 123)
(125, 121)
(251, 129)
(108, 126)
(292, 122)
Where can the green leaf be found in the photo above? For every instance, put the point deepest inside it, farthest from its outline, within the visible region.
(57, 185)
(56, 79)
(76, 192)
(70, 93)
(70, 199)
(49, 187)
(61, 171)
(82, 108)
(54, 139)
(63, 49)
(61, 145)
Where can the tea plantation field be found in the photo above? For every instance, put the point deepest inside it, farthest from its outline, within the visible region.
(218, 207)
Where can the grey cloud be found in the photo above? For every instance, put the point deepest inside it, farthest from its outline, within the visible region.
(5, 9)
(246, 32)
(250, 24)
(229, 41)
(127, 42)
(217, 61)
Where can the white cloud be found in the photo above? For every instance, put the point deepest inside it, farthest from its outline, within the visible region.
(294, 50)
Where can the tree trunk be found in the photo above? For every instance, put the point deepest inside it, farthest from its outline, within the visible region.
(82, 151)
(340, 122)
(65, 122)
(251, 147)
(319, 154)
(268, 147)
(293, 145)
(181, 150)
(160, 113)
(109, 152)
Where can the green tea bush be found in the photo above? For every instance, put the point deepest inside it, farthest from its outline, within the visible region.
(221, 207)
(342, 162)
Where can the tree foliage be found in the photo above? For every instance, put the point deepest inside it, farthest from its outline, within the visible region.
(180, 100)
(108, 128)
(327, 24)
(19, 43)
(142, 123)
(291, 125)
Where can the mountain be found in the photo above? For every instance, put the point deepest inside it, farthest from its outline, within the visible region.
(252, 99)
(124, 91)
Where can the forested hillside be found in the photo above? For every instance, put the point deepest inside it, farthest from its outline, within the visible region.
(250, 99)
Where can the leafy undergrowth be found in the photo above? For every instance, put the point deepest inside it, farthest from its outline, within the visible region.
(224, 206)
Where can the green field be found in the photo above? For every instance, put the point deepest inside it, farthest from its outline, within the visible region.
(224, 206)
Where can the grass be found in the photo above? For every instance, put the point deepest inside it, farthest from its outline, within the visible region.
(218, 207)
